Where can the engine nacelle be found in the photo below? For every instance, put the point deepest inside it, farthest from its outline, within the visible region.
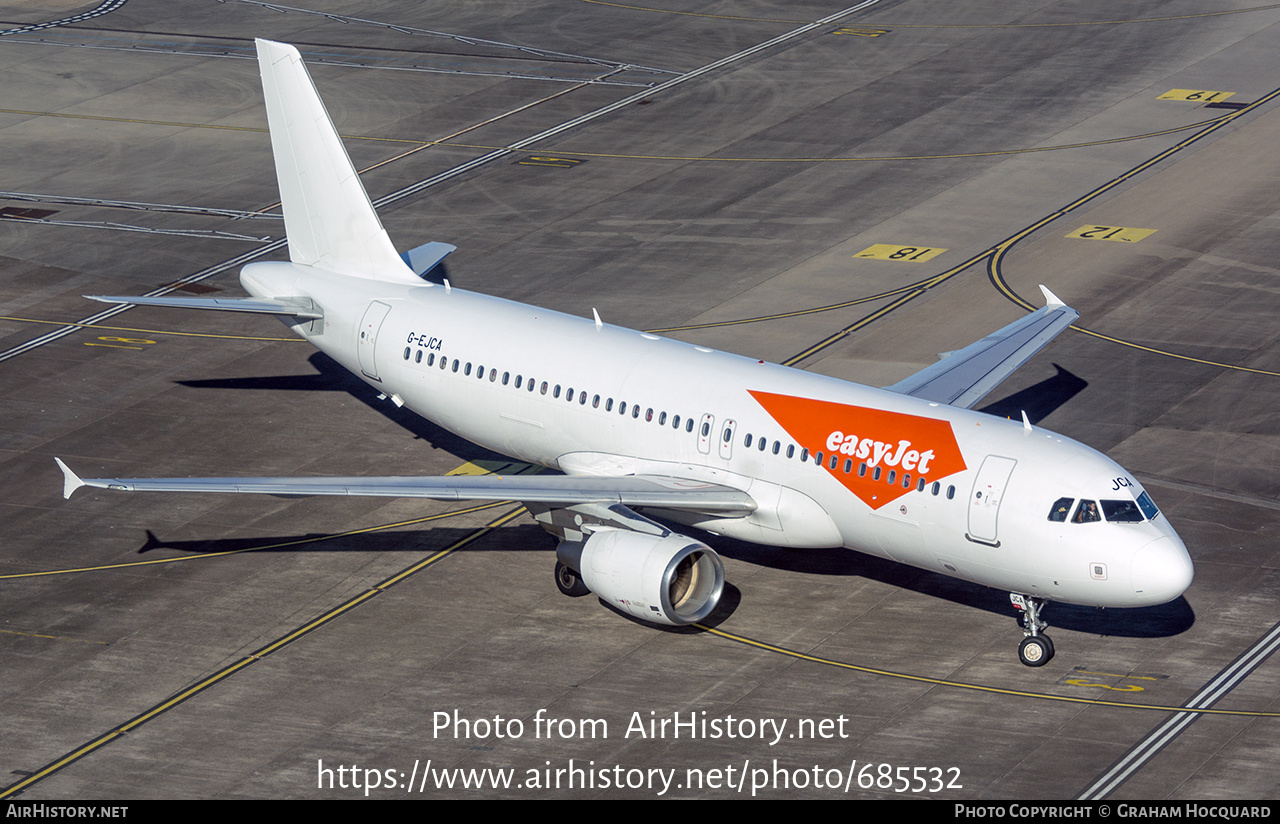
(671, 580)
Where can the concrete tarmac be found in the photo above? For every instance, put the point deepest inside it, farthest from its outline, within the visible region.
(179, 646)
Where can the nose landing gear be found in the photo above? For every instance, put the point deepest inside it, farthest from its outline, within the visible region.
(1036, 649)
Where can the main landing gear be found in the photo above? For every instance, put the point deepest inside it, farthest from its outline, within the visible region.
(569, 581)
(1036, 649)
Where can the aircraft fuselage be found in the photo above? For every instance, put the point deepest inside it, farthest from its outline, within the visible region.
(828, 462)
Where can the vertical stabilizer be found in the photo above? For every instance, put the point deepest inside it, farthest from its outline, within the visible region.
(327, 215)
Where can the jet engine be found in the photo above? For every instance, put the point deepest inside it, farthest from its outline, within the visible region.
(670, 579)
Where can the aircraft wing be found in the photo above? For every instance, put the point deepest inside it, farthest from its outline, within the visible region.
(964, 377)
(629, 490)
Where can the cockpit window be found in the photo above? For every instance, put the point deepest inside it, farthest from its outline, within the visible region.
(1122, 512)
(1061, 507)
(1087, 513)
(1147, 506)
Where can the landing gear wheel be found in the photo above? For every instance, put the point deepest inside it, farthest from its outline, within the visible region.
(569, 582)
(1035, 650)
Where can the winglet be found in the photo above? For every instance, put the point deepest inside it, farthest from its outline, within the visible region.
(1050, 298)
(70, 480)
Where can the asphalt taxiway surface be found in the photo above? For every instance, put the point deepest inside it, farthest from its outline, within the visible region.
(748, 176)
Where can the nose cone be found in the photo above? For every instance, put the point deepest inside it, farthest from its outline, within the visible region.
(1162, 570)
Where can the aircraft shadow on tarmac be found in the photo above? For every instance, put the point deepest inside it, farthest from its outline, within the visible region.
(1040, 400)
(330, 376)
(1148, 622)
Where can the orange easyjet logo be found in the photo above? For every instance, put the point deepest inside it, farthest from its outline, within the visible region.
(878, 455)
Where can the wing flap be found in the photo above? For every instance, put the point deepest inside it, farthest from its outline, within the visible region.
(966, 376)
(630, 490)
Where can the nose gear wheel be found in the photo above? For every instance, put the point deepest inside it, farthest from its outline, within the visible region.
(1036, 648)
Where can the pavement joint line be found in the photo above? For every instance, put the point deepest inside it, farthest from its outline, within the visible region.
(250, 658)
(419, 186)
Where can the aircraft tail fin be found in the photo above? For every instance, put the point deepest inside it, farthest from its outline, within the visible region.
(328, 217)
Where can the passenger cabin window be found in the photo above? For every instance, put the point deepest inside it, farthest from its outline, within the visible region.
(1060, 509)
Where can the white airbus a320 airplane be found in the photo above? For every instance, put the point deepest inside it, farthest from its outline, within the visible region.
(647, 428)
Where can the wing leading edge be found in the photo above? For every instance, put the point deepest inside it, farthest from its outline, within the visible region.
(965, 377)
(629, 490)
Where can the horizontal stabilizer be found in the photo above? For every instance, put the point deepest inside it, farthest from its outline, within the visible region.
(629, 490)
(966, 376)
(293, 307)
(427, 256)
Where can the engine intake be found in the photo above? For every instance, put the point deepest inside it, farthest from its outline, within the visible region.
(672, 580)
